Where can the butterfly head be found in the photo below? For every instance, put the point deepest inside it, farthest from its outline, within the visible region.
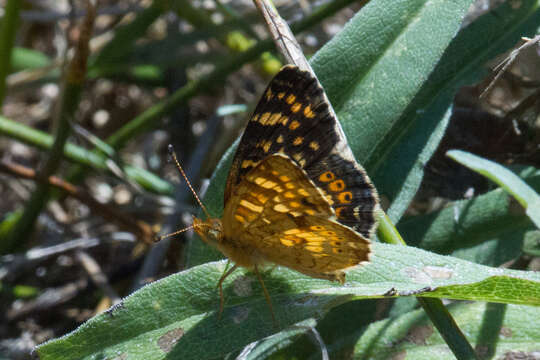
(210, 230)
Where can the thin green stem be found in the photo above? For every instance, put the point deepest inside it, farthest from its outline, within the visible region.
(81, 156)
(387, 231)
(434, 308)
(8, 29)
(449, 330)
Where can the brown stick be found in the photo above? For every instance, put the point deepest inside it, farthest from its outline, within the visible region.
(138, 227)
(283, 36)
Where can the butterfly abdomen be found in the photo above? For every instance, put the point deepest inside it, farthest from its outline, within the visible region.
(241, 256)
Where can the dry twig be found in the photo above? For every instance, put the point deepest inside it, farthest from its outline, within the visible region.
(509, 60)
(139, 227)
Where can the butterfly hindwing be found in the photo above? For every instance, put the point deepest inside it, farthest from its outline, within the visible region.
(317, 247)
(276, 213)
(294, 118)
(353, 196)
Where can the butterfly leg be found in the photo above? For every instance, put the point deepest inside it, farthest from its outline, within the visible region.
(220, 286)
(266, 295)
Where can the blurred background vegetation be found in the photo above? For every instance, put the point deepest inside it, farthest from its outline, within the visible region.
(117, 86)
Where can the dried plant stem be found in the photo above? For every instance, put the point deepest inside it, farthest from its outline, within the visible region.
(140, 228)
(69, 101)
(509, 60)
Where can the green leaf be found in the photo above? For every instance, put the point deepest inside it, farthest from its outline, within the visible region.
(498, 331)
(485, 229)
(398, 161)
(494, 289)
(527, 197)
(337, 325)
(266, 347)
(531, 244)
(24, 58)
(374, 67)
(371, 71)
(176, 316)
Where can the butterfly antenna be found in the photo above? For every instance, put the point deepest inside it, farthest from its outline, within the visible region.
(173, 154)
(159, 238)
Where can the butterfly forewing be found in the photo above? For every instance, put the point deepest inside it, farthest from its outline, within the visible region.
(292, 117)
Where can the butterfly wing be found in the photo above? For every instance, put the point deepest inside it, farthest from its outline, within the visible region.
(294, 118)
(277, 214)
(317, 247)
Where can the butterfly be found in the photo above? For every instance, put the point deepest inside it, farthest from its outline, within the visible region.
(295, 196)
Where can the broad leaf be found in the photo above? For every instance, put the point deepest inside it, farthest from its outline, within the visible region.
(486, 229)
(397, 163)
(176, 316)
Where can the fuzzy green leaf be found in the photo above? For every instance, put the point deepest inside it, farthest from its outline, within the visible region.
(486, 229)
(176, 316)
(397, 163)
